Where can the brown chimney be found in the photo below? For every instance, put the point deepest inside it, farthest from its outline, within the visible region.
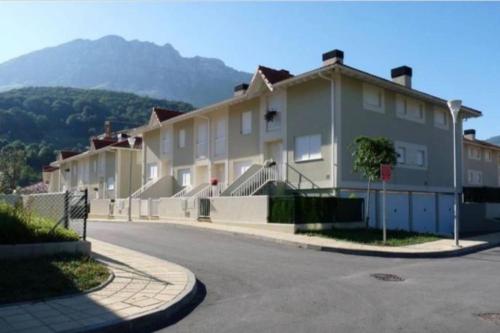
(107, 129)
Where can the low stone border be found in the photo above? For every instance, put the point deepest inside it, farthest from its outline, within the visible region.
(146, 294)
(20, 251)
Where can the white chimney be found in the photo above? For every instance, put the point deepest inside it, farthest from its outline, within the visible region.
(402, 75)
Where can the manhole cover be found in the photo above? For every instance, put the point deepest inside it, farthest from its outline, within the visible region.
(387, 277)
(492, 317)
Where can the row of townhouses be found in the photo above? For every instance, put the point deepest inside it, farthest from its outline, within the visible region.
(293, 132)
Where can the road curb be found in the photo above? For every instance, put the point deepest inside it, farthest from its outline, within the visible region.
(359, 252)
(155, 319)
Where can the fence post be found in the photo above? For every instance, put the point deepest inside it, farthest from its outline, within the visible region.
(66, 209)
(86, 214)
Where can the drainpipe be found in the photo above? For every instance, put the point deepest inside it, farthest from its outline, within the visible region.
(332, 111)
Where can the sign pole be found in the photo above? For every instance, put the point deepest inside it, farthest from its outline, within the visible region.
(385, 175)
(384, 229)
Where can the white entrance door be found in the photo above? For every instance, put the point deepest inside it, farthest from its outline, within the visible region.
(275, 151)
(241, 167)
(184, 177)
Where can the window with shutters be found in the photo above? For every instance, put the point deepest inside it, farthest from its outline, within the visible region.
(307, 148)
(373, 98)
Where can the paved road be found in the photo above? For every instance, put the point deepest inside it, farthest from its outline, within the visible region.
(260, 286)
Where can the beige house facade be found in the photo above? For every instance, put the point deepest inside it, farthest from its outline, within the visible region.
(110, 169)
(294, 132)
(481, 162)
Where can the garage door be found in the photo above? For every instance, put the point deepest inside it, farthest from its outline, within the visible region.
(424, 213)
(397, 211)
(445, 214)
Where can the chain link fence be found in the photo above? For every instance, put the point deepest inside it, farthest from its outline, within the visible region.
(67, 209)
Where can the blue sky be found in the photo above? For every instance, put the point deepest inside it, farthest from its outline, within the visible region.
(454, 48)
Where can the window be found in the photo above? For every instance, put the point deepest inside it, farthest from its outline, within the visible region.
(410, 109)
(488, 156)
(184, 177)
(246, 122)
(202, 140)
(441, 119)
(308, 148)
(411, 155)
(182, 138)
(220, 137)
(373, 98)
(152, 169)
(111, 183)
(475, 177)
(166, 142)
(474, 153)
(401, 152)
(420, 160)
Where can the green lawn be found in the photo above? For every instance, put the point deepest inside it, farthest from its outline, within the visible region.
(19, 227)
(35, 279)
(374, 236)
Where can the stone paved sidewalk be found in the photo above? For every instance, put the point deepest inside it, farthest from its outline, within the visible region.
(142, 285)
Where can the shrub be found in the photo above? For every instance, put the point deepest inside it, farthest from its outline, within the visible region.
(18, 226)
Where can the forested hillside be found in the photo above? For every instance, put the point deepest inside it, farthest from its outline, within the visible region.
(43, 120)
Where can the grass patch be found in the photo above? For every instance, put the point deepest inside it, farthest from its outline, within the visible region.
(19, 227)
(374, 236)
(35, 279)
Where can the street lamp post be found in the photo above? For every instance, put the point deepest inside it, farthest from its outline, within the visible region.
(454, 106)
(131, 142)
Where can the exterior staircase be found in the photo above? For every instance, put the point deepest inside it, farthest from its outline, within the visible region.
(254, 168)
(257, 180)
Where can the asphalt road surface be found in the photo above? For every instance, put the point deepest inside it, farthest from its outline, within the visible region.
(254, 285)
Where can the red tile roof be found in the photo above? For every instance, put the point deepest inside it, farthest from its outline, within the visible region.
(274, 75)
(101, 143)
(49, 168)
(68, 153)
(165, 114)
(124, 143)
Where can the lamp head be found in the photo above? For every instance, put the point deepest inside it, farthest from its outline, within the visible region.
(455, 106)
(131, 141)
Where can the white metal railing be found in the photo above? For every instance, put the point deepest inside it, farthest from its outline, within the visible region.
(255, 182)
(182, 192)
(144, 187)
(210, 191)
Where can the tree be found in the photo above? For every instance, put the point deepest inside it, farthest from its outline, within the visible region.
(368, 154)
(12, 164)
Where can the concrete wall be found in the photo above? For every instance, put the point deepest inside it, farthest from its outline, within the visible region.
(100, 208)
(252, 209)
(309, 113)
(357, 121)
(177, 208)
(164, 187)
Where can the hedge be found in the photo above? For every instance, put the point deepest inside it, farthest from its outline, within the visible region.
(300, 210)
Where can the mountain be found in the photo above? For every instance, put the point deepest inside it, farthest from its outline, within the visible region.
(113, 63)
(495, 140)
